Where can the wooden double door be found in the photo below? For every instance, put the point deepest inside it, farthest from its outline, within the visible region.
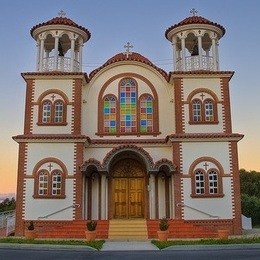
(128, 190)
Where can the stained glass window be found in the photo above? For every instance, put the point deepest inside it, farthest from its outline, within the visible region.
(46, 112)
(110, 114)
(208, 105)
(128, 106)
(146, 114)
(58, 117)
(196, 110)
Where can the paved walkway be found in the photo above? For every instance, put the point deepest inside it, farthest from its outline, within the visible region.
(129, 246)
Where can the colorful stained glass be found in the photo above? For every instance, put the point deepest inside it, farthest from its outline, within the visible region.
(109, 114)
(196, 108)
(146, 114)
(128, 106)
(46, 112)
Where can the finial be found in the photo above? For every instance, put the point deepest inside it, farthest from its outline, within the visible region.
(193, 11)
(127, 47)
(62, 13)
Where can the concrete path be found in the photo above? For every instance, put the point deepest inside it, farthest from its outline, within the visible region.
(128, 246)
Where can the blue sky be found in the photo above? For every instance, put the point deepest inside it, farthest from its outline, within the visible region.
(112, 24)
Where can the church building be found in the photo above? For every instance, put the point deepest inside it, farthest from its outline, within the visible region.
(129, 143)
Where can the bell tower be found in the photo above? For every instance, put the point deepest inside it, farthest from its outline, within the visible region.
(59, 44)
(195, 43)
(203, 127)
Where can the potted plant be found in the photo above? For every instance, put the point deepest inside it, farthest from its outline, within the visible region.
(30, 233)
(163, 231)
(91, 232)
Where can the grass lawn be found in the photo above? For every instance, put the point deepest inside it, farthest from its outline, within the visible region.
(244, 240)
(95, 244)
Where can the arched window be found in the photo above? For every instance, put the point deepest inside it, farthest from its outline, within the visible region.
(49, 183)
(109, 109)
(128, 106)
(206, 183)
(56, 183)
(213, 182)
(46, 111)
(43, 183)
(58, 114)
(52, 109)
(203, 108)
(209, 110)
(128, 113)
(146, 114)
(196, 110)
(200, 182)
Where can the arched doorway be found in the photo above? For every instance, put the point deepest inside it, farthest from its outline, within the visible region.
(128, 189)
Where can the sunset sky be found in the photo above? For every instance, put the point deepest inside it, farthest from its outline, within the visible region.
(112, 24)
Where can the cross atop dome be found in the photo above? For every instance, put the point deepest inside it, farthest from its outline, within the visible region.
(193, 11)
(127, 47)
(62, 13)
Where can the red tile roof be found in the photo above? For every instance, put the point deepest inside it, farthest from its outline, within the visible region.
(55, 73)
(206, 136)
(131, 57)
(194, 20)
(61, 21)
(51, 137)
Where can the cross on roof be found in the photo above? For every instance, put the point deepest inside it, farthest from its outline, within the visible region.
(193, 11)
(127, 51)
(62, 13)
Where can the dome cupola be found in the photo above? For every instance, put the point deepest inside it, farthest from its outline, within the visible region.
(195, 43)
(59, 44)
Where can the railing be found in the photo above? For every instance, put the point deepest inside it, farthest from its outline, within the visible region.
(7, 221)
(192, 63)
(60, 210)
(63, 64)
(3, 217)
(200, 211)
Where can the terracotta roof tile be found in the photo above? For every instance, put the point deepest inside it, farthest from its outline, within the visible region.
(194, 20)
(61, 21)
(128, 141)
(206, 136)
(50, 137)
(131, 57)
(55, 73)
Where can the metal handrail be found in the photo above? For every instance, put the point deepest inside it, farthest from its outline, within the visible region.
(200, 211)
(60, 210)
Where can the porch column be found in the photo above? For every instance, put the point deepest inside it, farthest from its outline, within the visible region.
(152, 196)
(103, 197)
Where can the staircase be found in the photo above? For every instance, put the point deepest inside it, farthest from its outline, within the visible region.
(180, 229)
(129, 229)
(76, 230)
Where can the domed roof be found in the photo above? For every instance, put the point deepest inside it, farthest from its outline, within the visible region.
(61, 21)
(195, 20)
(134, 56)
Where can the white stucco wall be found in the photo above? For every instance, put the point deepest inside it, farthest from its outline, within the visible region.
(219, 207)
(194, 150)
(61, 151)
(35, 208)
(163, 89)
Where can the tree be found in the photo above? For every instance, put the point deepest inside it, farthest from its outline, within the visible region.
(250, 195)
(7, 205)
